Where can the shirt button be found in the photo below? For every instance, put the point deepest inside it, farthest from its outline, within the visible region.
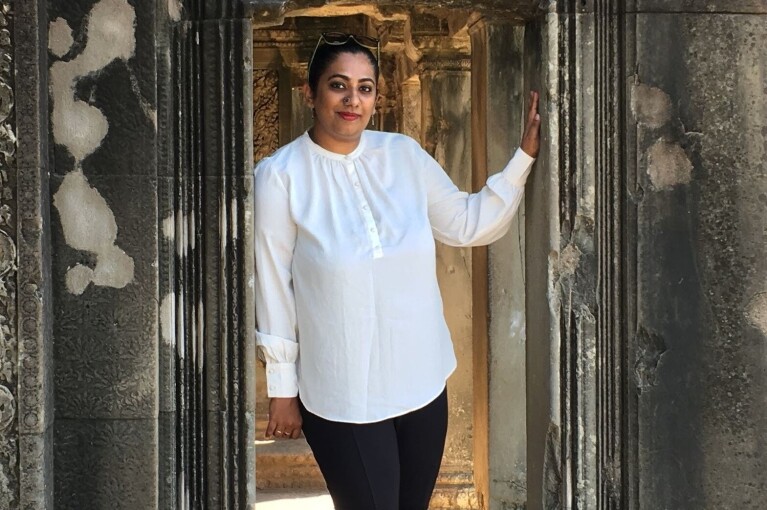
(356, 184)
(372, 229)
(364, 208)
(272, 387)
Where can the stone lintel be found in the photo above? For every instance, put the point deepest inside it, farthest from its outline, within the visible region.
(274, 11)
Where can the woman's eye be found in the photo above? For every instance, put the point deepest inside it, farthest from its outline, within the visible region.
(366, 89)
(337, 85)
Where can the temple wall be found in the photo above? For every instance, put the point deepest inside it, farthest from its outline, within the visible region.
(125, 208)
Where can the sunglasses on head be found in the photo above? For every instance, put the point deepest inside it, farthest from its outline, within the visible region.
(340, 38)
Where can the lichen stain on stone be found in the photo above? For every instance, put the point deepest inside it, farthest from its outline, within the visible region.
(177, 228)
(167, 319)
(174, 9)
(568, 260)
(60, 38)
(756, 312)
(77, 125)
(651, 106)
(169, 227)
(87, 221)
(668, 165)
(89, 225)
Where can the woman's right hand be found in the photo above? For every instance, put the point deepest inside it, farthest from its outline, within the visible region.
(284, 418)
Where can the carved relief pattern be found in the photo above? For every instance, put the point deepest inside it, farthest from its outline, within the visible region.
(266, 118)
(8, 339)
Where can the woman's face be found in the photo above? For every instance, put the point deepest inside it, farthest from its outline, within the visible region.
(343, 102)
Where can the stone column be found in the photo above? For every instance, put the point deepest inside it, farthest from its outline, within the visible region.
(212, 295)
(498, 101)
(656, 307)
(104, 191)
(445, 131)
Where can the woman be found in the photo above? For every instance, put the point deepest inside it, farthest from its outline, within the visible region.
(346, 277)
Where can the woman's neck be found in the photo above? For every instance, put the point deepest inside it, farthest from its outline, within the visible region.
(333, 144)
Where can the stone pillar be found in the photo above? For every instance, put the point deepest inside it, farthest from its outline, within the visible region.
(578, 440)
(498, 101)
(151, 228)
(104, 190)
(445, 131)
(656, 308)
(411, 102)
(213, 300)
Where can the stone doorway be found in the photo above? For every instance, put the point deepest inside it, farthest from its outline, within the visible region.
(429, 80)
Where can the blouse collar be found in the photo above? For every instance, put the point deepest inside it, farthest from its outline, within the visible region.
(334, 155)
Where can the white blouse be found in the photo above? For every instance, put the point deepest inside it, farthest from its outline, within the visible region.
(348, 307)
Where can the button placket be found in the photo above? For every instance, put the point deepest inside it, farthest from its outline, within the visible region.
(365, 212)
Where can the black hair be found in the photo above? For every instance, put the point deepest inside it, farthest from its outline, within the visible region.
(326, 54)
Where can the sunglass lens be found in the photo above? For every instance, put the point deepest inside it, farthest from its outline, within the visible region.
(335, 37)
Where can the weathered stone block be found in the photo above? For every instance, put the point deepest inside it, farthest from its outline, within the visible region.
(106, 322)
(106, 464)
(36, 467)
(700, 117)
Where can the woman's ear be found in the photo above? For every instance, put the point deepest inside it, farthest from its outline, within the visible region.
(308, 97)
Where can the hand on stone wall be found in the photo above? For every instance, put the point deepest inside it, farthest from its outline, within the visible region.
(531, 138)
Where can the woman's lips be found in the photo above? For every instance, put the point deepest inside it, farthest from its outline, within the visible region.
(348, 116)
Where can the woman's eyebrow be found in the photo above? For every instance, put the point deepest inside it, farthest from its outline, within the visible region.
(344, 77)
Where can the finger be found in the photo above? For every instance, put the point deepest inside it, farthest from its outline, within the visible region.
(296, 434)
(531, 114)
(270, 428)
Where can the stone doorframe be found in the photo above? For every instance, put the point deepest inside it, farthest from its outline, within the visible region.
(452, 79)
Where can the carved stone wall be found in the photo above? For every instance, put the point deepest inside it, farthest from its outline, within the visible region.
(266, 113)
(9, 340)
(645, 292)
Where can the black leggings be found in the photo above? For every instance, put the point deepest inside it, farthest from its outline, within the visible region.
(387, 465)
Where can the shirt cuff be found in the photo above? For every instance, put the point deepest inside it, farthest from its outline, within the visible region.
(281, 380)
(277, 349)
(518, 168)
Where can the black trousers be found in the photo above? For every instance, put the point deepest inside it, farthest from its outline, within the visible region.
(387, 465)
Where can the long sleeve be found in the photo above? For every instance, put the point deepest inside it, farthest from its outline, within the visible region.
(458, 218)
(275, 238)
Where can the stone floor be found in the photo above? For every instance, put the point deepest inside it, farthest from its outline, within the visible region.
(292, 500)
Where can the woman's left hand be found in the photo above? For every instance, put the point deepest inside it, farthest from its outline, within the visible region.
(531, 139)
